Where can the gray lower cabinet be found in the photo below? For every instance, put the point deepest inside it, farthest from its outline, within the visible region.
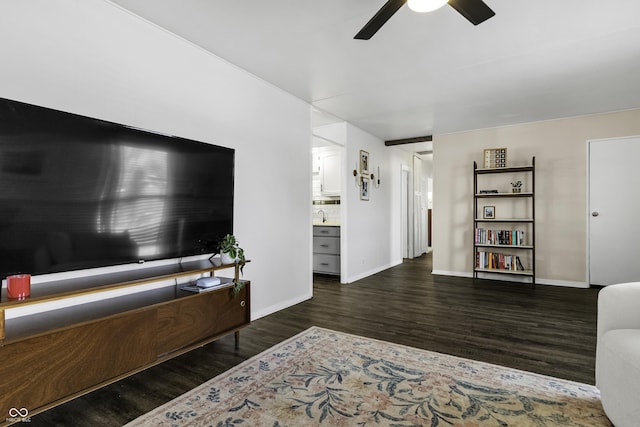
(326, 249)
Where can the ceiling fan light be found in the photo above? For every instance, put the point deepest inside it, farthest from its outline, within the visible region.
(426, 5)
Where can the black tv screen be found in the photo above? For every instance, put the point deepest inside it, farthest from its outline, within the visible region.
(78, 193)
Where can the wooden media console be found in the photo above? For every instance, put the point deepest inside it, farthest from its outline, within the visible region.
(50, 357)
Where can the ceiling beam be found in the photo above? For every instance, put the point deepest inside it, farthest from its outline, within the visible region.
(426, 138)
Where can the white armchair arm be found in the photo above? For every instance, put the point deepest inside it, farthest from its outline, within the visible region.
(618, 353)
(619, 307)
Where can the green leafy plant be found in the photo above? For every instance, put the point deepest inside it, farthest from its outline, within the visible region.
(237, 287)
(231, 246)
(516, 184)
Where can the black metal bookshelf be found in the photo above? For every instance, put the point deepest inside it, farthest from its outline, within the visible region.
(505, 258)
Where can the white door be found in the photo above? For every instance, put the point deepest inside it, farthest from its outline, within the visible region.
(614, 211)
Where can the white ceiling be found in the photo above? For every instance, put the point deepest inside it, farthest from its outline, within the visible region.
(430, 73)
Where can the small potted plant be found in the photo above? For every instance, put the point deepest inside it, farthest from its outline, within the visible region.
(516, 187)
(230, 250)
(230, 253)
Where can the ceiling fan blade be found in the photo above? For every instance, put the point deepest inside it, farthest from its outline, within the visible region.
(476, 11)
(379, 19)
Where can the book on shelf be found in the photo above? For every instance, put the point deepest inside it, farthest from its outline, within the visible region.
(198, 289)
(193, 287)
(485, 236)
(498, 261)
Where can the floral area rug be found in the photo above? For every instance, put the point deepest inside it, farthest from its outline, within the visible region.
(327, 378)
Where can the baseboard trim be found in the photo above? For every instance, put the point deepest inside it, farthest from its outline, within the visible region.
(397, 262)
(255, 315)
(565, 283)
(372, 272)
(451, 273)
(507, 278)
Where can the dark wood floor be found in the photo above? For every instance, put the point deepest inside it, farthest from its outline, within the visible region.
(548, 330)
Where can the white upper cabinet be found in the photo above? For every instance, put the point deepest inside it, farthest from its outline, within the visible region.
(330, 176)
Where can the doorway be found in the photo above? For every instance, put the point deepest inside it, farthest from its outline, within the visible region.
(614, 209)
(416, 205)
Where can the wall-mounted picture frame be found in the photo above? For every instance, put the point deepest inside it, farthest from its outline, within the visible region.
(489, 212)
(364, 188)
(364, 162)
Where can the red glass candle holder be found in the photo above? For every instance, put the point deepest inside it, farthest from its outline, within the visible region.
(19, 286)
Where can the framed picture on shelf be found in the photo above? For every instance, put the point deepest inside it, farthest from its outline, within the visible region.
(489, 212)
(364, 188)
(495, 158)
(364, 162)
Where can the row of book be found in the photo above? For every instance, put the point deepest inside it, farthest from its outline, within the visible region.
(499, 237)
(498, 261)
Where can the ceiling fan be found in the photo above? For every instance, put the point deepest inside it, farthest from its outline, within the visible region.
(476, 11)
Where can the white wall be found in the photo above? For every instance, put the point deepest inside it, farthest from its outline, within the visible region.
(560, 148)
(92, 58)
(334, 132)
(373, 227)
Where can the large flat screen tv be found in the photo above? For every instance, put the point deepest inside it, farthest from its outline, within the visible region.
(79, 193)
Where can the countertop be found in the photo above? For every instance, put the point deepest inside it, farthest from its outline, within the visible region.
(326, 224)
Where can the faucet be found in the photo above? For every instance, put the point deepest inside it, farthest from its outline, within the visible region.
(324, 217)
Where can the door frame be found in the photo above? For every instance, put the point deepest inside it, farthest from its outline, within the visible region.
(406, 192)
